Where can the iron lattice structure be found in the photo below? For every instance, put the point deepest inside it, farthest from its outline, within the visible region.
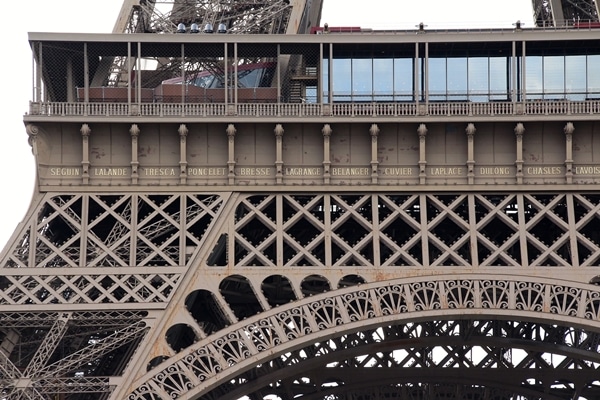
(565, 12)
(230, 16)
(333, 292)
(283, 294)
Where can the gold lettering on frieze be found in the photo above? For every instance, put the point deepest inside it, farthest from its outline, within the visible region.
(65, 171)
(193, 171)
(397, 171)
(544, 170)
(303, 171)
(587, 170)
(110, 171)
(159, 171)
(341, 171)
(494, 171)
(445, 171)
(254, 171)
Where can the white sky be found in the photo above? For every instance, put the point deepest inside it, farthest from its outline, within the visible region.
(16, 161)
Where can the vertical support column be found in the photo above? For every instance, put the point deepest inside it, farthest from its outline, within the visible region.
(514, 75)
(129, 75)
(375, 217)
(138, 76)
(569, 129)
(279, 255)
(519, 131)
(473, 230)
(374, 161)
(86, 77)
(523, 75)
(424, 231)
(426, 77)
(417, 77)
(278, 77)
(183, 79)
(70, 82)
(326, 153)
(37, 95)
(183, 131)
(135, 133)
(231, 153)
(320, 77)
(470, 153)
(279, 153)
(422, 131)
(85, 161)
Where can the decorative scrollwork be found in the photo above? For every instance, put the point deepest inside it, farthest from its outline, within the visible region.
(564, 300)
(495, 294)
(294, 323)
(460, 294)
(529, 296)
(233, 348)
(326, 313)
(202, 364)
(263, 334)
(359, 305)
(392, 299)
(426, 296)
(391, 302)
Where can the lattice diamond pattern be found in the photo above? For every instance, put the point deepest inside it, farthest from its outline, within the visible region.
(412, 230)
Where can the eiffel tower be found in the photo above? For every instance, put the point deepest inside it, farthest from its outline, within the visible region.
(235, 202)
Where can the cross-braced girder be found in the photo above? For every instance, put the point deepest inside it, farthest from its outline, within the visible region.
(226, 257)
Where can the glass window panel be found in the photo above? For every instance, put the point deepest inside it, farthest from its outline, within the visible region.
(554, 77)
(498, 79)
(457, 79)
(403, 79)
(342, 79)
(362, 79)
(534, 77)
(325, 72)
(575, 74)
(593, 76)
(478, 79)
(437, 79)
(383, 79)
(311, 94)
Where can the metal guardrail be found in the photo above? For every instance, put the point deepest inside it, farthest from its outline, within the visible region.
(77, 109)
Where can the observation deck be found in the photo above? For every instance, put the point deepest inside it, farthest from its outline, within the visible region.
(364, 101)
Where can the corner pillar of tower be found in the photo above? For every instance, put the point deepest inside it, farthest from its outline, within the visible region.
(558, 16)
(301, 21)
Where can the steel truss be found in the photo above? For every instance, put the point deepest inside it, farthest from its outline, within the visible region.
(557, 13)
(231, 257)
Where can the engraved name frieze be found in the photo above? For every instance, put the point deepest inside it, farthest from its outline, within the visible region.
(65, 171)
(445, 171)
(159, 171)
(254, 171)
(587, 170)
(110, 171)
(299, 171)
(543, 170)
(193, 171)
(397, 171)
(494, 171)
(343, 171)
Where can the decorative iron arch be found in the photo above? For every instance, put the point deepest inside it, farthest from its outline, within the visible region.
(221, 357)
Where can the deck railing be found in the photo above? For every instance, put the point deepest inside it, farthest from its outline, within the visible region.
(445, 109)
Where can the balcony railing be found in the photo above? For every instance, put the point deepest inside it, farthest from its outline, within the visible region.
(441, 109)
